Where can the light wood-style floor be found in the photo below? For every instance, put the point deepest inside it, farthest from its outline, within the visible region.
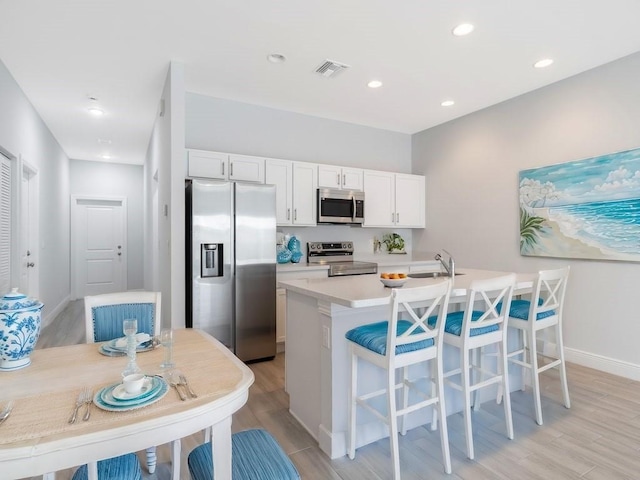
(597, 439)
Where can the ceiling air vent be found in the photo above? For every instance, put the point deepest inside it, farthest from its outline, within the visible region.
(329, 68)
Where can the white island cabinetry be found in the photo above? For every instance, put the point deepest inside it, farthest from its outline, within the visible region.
(317, 364)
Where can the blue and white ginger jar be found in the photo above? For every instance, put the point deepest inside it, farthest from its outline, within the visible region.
(20, 320)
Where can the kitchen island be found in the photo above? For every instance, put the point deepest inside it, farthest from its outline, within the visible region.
(317, 366)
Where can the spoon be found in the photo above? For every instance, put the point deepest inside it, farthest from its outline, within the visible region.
(174, 384)
(6, 411)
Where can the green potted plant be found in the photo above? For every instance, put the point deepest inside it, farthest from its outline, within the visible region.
(393, 242)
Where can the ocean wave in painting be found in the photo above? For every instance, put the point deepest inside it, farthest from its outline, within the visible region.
(612, 226)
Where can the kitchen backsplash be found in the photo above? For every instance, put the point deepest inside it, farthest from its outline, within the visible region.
(362, 238)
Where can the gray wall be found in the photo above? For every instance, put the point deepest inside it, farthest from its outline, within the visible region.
(472, 166)
(112, 179)
(24, 134)
(234, 127)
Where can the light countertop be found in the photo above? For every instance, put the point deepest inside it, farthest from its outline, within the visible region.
(382, 259)
(367, 291)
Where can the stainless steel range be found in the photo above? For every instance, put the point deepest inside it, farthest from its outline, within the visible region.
(339, 257)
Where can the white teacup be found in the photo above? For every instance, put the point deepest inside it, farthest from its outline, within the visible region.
(133, 383)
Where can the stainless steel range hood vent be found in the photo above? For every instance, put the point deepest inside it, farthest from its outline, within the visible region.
(329, 68)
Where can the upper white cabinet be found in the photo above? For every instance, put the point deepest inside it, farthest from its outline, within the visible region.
(331, 176)
(225, 166)
(305, 186)
(207, 164)
(296, 185)
(393, 200)
(280, 174)
(246, 169)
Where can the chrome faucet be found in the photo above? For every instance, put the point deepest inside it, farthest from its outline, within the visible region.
(449, 267)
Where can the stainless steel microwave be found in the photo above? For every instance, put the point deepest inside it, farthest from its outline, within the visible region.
(340, 206)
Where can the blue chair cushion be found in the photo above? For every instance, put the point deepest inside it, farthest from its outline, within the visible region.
(454, 324)
(520, 310)
(255, 455)
(108, 319)
(117, 468)
(374, 337)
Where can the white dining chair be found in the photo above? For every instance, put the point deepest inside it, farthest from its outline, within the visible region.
(104, 317)
(546, 307)
(404, 340)
(482, 323)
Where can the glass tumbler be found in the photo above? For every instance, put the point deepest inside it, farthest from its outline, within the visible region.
(166, 340)
(130, 328)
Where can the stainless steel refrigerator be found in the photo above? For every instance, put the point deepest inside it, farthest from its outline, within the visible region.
(231, 265)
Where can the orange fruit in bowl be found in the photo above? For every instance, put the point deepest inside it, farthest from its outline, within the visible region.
(384, 275)
(402, 275)
(394, 276)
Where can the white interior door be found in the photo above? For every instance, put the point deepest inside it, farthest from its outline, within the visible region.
(99, 254)
(28, 237)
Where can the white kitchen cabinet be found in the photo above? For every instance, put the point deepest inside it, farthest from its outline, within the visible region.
(296, 185)
(207, 164)
(393, 200)
(280, 174)
(305, 186)
(331, 176)
(225, 166)
(246, 168)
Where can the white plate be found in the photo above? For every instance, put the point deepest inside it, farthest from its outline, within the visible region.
(119, 393)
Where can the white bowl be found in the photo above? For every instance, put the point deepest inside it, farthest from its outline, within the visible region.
(393, 282)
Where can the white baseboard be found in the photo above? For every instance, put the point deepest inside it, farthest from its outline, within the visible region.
(605, 364)
(48, 318)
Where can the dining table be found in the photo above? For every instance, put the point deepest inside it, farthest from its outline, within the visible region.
(37, 438)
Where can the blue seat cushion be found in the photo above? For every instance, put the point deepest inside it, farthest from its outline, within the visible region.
(255, 455)
(373, 337)
(117, 468)
(454, 324)
(520, 310)
(108, 319)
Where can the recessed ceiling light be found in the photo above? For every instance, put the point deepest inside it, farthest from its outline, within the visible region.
(374, 84)
(545, 62)
(104, 141)
(448, 103)
(95, 111)
(463, 29)
(276, 58)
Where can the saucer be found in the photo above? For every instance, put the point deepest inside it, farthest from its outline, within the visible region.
(105, 400)
(119, 393)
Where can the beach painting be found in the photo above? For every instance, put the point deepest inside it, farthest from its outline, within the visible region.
(587, 209)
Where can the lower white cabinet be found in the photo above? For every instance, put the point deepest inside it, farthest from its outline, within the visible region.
(281, 315)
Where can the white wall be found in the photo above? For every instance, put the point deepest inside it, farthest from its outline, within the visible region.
(472, 166)
(113, 179)
(164, 174)
(24, 134)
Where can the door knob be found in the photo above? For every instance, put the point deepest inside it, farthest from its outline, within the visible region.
(31, 264)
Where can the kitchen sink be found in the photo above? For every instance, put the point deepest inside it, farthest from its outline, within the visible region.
(430, 274)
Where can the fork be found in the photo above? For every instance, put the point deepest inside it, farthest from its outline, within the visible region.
(82, 398)
(183, 381)
(4, 414)
(89, 401)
